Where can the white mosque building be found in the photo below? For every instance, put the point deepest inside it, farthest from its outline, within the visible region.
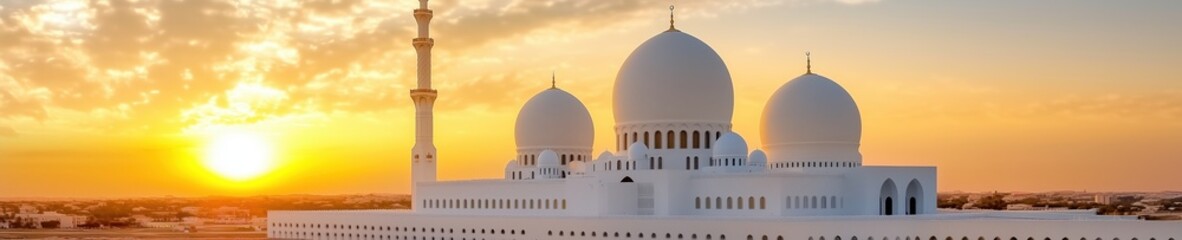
(679, 172)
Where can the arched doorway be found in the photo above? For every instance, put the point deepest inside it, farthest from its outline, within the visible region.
(886, 198)
(911, 206)
(626, 179)
(914, 197)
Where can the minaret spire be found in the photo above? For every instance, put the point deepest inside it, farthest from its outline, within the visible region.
(808, 67)
(423, 154)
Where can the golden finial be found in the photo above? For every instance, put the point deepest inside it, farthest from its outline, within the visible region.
(553, 83)
(671, 28)
(808, 62)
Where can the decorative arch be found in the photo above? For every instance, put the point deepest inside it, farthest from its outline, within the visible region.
(887, 196)
(626, 179)
(914, 200)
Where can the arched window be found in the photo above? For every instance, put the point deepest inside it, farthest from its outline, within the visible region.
(624, 145)
(740, 203)
(708, 203)
(762, 203)
(708, 139)
(697, 140)
(824, 202)
(718, 202)
(646, 142)
(660, 163)
(750, 202)
(695, 163)
(657, 140)
(684, 139)
(563, 159)
(634, 138)
(687, 163)
(698, 203)
(618, 165)
(669, 140)
(730, 203)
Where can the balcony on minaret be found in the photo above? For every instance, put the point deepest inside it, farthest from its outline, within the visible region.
(423, 14)
(423, 42)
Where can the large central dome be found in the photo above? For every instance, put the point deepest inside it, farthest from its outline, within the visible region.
(673, 77)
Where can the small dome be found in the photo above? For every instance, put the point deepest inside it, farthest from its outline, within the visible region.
(637, 151)
(554, 119)
(548, 159)
(577, 167)
(811, 108)
(604, 156)
(757, 158)
(729, 145)
(811, 118)
(673, 76)
(512, 164)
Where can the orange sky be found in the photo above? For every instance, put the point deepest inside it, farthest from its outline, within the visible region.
(115, 98)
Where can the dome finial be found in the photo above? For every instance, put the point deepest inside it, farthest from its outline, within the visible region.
(671, 28)
(553, 83)
(808, 67)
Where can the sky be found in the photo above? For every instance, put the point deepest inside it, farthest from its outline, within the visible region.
(123, 98)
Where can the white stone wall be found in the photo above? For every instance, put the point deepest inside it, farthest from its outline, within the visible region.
(407, 225)
(854, 191)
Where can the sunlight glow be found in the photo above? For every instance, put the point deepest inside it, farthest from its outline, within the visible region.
(239, 155)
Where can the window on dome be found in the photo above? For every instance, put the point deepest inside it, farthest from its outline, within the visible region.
(646, 142)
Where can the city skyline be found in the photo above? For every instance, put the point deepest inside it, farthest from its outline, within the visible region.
(1085, 99)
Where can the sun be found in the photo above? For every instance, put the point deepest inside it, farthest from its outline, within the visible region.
(239, 155)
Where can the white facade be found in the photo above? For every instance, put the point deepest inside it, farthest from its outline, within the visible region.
(679, 172)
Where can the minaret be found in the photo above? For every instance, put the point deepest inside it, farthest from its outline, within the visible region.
(423, 157)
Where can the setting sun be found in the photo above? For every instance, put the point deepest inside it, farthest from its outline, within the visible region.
(238, 156)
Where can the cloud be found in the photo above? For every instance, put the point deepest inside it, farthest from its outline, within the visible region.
(167, 64)
(857, 2)
(7, 132)
(11, 107)
(495, 91)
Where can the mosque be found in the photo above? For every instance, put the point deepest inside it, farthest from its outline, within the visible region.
(679, 172)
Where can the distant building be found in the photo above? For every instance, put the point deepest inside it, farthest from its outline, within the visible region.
(191, 210)
(64, 220)
(28, 209)
(1103, 199)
